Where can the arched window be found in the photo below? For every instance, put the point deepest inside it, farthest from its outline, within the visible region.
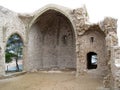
(13, 53)
(91, 60)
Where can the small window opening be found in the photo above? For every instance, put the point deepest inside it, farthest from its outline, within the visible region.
(91, 39)
(91, 60)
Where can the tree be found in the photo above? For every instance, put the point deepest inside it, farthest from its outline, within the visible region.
(8, 57)
(14, 49)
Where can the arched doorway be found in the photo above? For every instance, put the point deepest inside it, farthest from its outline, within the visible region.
(51, 42)
(14, 54)
(91, 60)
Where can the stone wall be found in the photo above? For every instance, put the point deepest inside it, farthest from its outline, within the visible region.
(51, 43)
(97, 45)
(109, 26)
(115, 67)
(56, 37)
(80, 17)
(9, 24)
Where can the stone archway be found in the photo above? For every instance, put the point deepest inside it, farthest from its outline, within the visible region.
(51, 42)
(14, 53)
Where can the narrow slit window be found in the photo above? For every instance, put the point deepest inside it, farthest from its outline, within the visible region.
(91, 39)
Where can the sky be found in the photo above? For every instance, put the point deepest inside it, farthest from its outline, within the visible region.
(97, 9)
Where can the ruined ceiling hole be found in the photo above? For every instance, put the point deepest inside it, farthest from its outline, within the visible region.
(91, 60)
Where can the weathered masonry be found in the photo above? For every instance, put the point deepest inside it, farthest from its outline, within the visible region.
(59, 38)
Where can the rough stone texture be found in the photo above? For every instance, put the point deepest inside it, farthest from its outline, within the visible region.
(51, 43)
(9, 24)
(56, 37)
(115, 67)
(109, 27)
(80, 18)
(97, 46)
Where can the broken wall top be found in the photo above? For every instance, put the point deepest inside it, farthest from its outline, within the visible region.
(78, 17)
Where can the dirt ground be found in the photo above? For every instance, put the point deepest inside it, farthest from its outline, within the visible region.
(52, 81)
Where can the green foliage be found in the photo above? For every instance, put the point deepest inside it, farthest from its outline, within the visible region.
(9, 57)
(13, 48)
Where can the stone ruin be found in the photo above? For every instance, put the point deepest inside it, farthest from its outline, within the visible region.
(59, 38)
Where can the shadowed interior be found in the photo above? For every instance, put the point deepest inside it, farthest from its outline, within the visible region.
(51, 42)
